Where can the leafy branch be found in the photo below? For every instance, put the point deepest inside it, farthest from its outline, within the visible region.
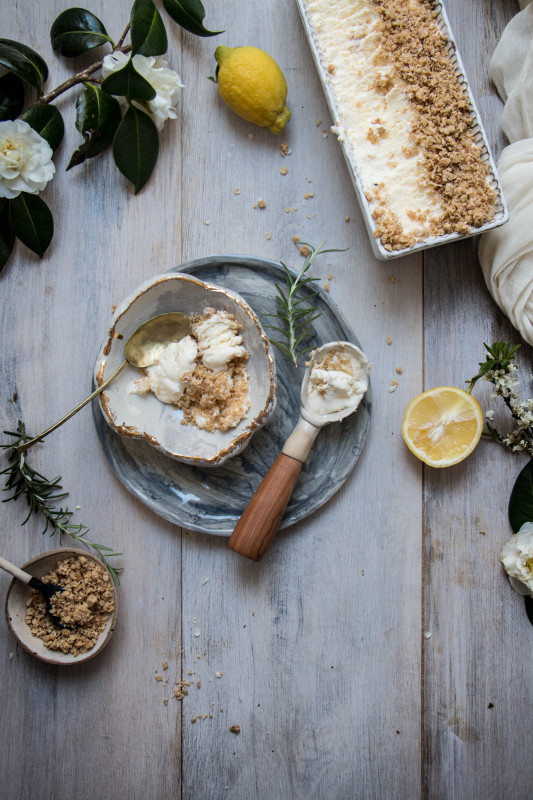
(294, 317)
(134, 135)
(42, 495)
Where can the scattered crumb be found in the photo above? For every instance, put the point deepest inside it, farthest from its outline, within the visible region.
(330, 277)
(393, 386)
(283, 170)
(165, 665)
(193, 719)
(388, 340)
(218, 674)
(235, 729)
(159, 677)
(113, 308)
(260, 203)
(207, 222)
(308, 195)
(392, 279)
(399, 370)
(295, 239)
(304, 250)
(165, 702)
(427, 634)
(284, 149)
(482, 533)
(326, 286)
(198, 684)
(236, 191)
(269, 236)
(490, 705)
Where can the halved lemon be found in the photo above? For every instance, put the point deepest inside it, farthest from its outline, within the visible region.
(442, 426)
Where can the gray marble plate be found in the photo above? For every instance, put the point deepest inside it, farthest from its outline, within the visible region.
(211, 500)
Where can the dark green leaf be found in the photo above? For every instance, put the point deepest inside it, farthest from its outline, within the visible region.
(24, 62)
(521, 500)
(128, 83)
(148, 35)
(136, 147)
(11, 96)
(97, 118)
(31, 221)
(7, 237)
(75, 31)
(190, 15)
(48, 123)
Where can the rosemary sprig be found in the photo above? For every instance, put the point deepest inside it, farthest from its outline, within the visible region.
(41, 496)
(293, 316)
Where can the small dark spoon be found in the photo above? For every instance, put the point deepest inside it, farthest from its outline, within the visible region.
(46, 589)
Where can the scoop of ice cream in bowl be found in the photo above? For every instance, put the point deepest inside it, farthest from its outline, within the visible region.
(209, 392)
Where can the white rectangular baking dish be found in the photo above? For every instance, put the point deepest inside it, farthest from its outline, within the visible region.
(501, 214)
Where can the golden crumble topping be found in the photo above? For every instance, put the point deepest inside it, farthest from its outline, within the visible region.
(83, 607)
(443, 132)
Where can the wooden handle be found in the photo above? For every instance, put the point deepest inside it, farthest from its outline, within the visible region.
(15, 571)
(261, 517)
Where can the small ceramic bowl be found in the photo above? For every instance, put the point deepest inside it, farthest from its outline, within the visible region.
(145, 417)
(16, 603)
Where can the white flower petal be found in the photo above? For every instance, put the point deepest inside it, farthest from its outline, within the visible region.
(25, 159)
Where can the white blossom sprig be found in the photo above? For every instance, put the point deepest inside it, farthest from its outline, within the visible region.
(500, 370)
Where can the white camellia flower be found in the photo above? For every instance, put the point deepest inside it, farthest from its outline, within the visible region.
(517, 559)
(153, 69)
(25, 159)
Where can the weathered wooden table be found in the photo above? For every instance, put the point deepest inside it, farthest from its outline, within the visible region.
(377, 651)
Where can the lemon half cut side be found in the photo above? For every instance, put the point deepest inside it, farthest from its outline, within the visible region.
(442, 426)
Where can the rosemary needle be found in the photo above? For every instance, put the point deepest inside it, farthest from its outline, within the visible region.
(42, 496)
(294, 317)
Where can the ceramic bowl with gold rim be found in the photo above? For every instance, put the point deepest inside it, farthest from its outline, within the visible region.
(146, 418)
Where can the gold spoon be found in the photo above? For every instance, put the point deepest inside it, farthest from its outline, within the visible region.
(143, 348)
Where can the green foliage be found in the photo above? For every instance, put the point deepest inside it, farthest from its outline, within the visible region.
(521, 500)
(136, 147)
(190, 15)
(148, 34)
(48, 123)
(7, 237)
(24, 62)
(128, 83)
(11, 96)
(97, 119)
(42, 496)
(500, 356)
(75, 31)
(133, 137)
(294, 314)
(31, 222)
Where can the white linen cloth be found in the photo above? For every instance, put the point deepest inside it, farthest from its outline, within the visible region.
(506, 253)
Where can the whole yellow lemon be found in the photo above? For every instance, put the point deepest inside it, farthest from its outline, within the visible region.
(252, 84)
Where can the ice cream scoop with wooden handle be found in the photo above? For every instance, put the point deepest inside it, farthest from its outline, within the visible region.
(322, 390)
